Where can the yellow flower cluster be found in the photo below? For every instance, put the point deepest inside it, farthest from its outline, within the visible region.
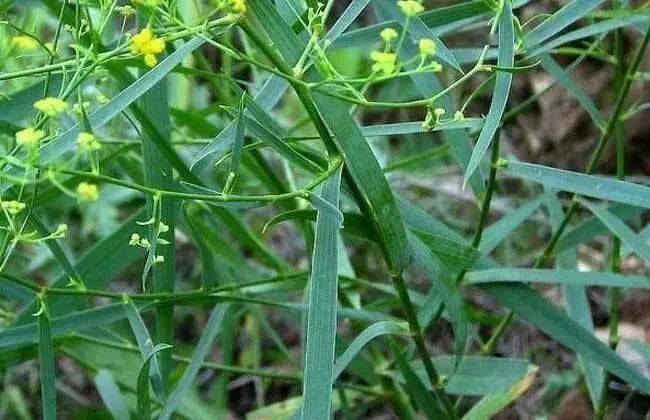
(25, 43)
(388, 34)
(410, 8)
(87, 142)
(237, 7)
(384, 62)
(87, 191)
(147, 44)
(427, 47)
(13, 207)
(29, 137)
(52, 107)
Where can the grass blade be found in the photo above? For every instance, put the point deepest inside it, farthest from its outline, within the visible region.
(145, 344)
(566, 81)
(321, 315)
(210, 331)
(501, 89)
(111, 395)
(490, 405)
(417, 390)
(375, 330)
(564, 17)
(621, 230)
(587, 185)
(494, 234)
(46, 363)
(142, 390)
(544, 315)
(443, 283)
(578, 278)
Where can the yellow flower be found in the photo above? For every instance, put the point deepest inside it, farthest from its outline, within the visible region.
(25, 43)
(29, 137)
(87, 142)
(410, 8)
(439, 112)
(427, 47)
(52, 107)
(458, 116)
(13, 207)
(388, 35)
(149, 45)
(237, 7)
(87, 191)
(384, 62)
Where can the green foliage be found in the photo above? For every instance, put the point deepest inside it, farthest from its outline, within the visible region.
(196, 193)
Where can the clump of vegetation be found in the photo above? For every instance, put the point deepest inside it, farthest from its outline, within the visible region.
(238, 207)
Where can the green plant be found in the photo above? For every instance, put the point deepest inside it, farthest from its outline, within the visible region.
(120, 127)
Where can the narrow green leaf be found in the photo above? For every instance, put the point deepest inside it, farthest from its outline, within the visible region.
(443, 282)
(111, 395)
(435, 20)
(490, 405)
(65, 141)
(20, 105)
(76, 322)
(142, 390)
(544, 315)
(353, 10)
(497, 232)
(431, 406)
(375, 330)
(565, 80)
(210, 331)
(592, 226)
(397, 129)
(269, 95)
(621, 230)
(456, 256)
(322, 304)
(238, 145)
(501, 89)
(477, 375)
(46, 363)
(145, 344)
(576, 303)
(588, 185)
(589, 31)
(578, 278)
(568, 14)
(99, 265)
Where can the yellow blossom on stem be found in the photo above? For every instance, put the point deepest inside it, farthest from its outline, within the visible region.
(87, 191)
(388, 34)
(13, 207)
(87, 142)
(458, 116)
(25, 43)
(384, 62)
(147, 44)
(52, 107)
(237, 7)
(427, 47)
(29, 137)
(410, 8)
